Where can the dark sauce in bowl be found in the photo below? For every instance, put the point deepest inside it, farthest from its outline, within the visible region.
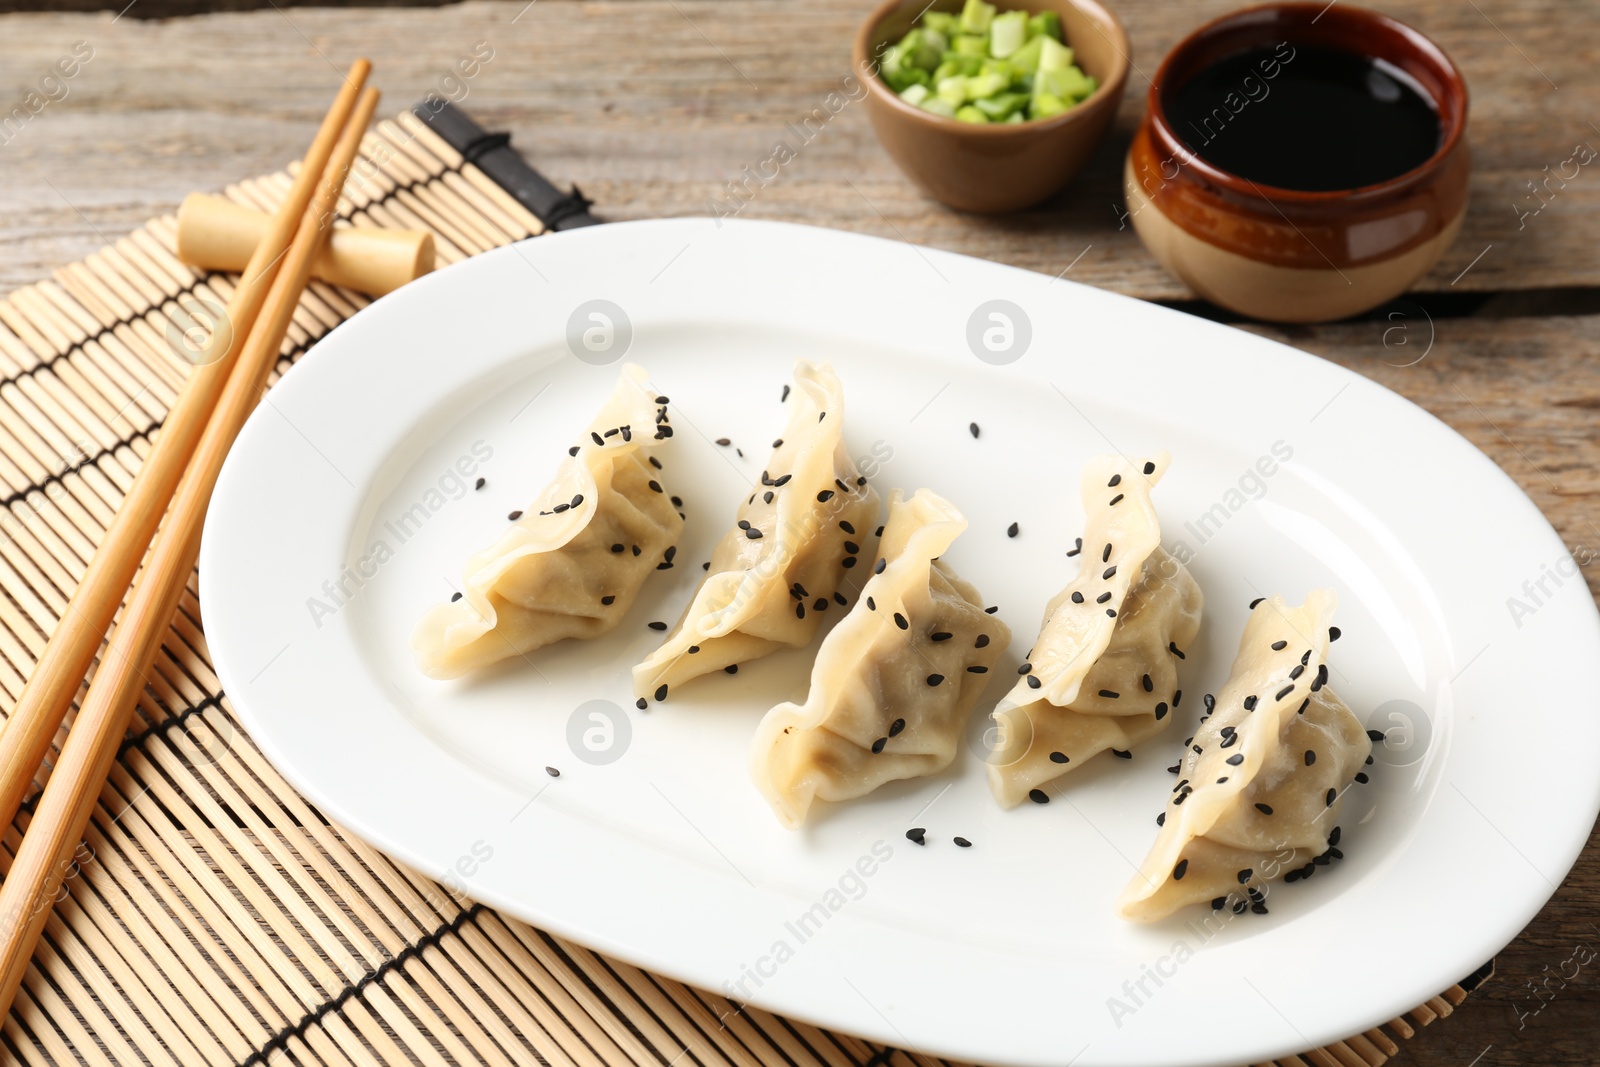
(1307, 118)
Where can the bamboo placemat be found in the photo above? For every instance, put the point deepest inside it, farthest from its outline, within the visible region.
(215, 917)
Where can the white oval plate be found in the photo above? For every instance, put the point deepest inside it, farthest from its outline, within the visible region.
(1288, 473)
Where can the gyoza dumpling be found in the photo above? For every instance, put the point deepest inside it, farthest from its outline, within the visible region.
(780, 567)
(1103, 673)
(1261, 783)
(572, 564)
(894, 682)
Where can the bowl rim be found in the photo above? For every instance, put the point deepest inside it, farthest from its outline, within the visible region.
(1454, 123)
(1110, 87)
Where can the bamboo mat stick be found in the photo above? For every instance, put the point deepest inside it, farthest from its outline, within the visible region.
(27, 734)
(44, 859)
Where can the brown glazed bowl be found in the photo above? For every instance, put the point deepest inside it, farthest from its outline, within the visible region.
(1000, 167)
(1282, 254)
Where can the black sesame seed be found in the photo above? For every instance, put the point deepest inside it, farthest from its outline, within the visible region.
(1245, 875)
(1333, 633)
(935, 679)
(851, 547)
(1102, 598)
(1161, 711)
(658, 626)
(1334, 853)
(825, 496)
(1149, 468)
(1109, 573)
(662, 400)
(1038, 796)
(552, 772)
(1333, 794)
(1180, 798)
(821, 604)
(609, 600)
(1304, 704)
(454, 597)
(1180, 870)
(654, 462)
(783, 481)
(785, 395)
(641, 703)
(1224, 778)
(514, 516)
(597, 438)
(1121, 754)
(1311, 757)
(637, 550)
(1279, 646)
(1111, 613)
(1177, 697)
(1362, 778)
(846, 527)
(1077, 547)
(1059, 757)
(1285, 691)
(753, 534)
(661, 691)
(732, 668)
(1211, 705)
(871, 605)
(972, 428)
(962, 842)
(1116, 500)
(1240, 907)
(1172, 646)
(988, 610)
(799, 611)
(1116, 480)
(1110, 694)
(877, 746)
(1250, 702)
(882, 563)
(1375, 735)
(724, 442)
(1149, 686)
(839, 598)
(1011, 531)
(1077, 597)
(1161, 819)
(693, 649)
(848, 562)
(1235, 759)
(1218, 903)
(1299, 669)
(942, 635)
(900, 621)
(1033, 681)
(896, 726)
(979, 669)
(559, 508)
(916, 833)
(573, 451)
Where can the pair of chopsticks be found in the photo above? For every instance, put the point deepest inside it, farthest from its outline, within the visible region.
(176, 480)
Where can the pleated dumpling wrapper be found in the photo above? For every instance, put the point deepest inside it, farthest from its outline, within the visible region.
(1103, 673)
(894, 682)
(572, 564)
(779, 568)
(1261, 783)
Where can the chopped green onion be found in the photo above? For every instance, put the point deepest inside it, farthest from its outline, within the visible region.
(986, 65)
(976, 16)
(1007, 33)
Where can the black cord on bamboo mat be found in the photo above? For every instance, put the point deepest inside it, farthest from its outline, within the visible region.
(167, 724)
(280, 1040)
(493, 154)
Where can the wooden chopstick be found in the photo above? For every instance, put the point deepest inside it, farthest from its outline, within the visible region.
(27, 734)
(44, 859)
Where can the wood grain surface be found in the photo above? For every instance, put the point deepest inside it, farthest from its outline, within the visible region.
(651, 106)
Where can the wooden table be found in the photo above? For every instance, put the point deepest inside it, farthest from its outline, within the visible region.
(651, 106)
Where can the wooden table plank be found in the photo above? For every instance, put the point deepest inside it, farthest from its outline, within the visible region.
(652, 105)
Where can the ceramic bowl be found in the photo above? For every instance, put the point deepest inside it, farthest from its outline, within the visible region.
(998, 167)
(1290, 255)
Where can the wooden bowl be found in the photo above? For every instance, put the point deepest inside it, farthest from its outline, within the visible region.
(997, 167)
(1290, 255)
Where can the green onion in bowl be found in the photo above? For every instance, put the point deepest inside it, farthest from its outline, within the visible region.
(984, 65)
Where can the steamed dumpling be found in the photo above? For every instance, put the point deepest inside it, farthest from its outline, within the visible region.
(779, 568)
(1103, 673)
(572, 564)
(1261, 783)
(894, 682)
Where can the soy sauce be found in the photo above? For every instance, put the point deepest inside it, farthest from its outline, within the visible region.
(1305, 117)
